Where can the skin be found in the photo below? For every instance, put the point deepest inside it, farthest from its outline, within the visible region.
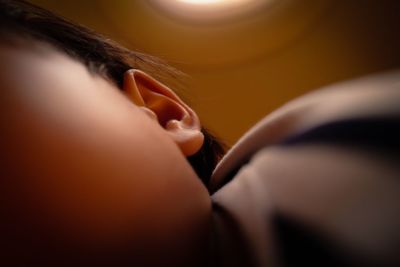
(90, 174)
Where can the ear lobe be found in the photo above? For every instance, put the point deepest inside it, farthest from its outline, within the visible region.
(159, 102)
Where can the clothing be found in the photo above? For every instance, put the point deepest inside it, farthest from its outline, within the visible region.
(315, 182)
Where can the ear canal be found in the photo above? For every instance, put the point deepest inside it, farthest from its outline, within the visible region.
(179, 121)
(166, 109)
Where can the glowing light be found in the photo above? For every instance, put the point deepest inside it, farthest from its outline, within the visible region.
(209, 2)
(209, 10)
(200, 2)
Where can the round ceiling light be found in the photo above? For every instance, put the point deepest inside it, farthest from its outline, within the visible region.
(145, 25)
(209, 10)
(204, 2)
(201, 1)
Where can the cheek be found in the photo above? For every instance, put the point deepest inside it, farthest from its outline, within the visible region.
(81, 165)
(78, 163)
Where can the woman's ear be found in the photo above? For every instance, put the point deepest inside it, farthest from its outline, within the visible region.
(163, 105)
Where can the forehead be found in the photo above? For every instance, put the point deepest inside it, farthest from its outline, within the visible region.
(53, 94)
(31, 62)
(47, 82)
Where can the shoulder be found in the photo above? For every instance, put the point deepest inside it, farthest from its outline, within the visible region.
(348, 108)
(319, 177)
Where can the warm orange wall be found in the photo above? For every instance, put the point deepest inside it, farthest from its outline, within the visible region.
(350, 38)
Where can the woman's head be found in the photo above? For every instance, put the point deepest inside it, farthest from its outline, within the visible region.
(95, 147)
(101, 56)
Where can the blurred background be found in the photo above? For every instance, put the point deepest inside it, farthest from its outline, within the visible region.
(245, 58)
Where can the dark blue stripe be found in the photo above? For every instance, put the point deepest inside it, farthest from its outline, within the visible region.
(381, 134)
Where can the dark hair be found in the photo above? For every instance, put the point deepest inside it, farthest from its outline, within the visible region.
(19, 19)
